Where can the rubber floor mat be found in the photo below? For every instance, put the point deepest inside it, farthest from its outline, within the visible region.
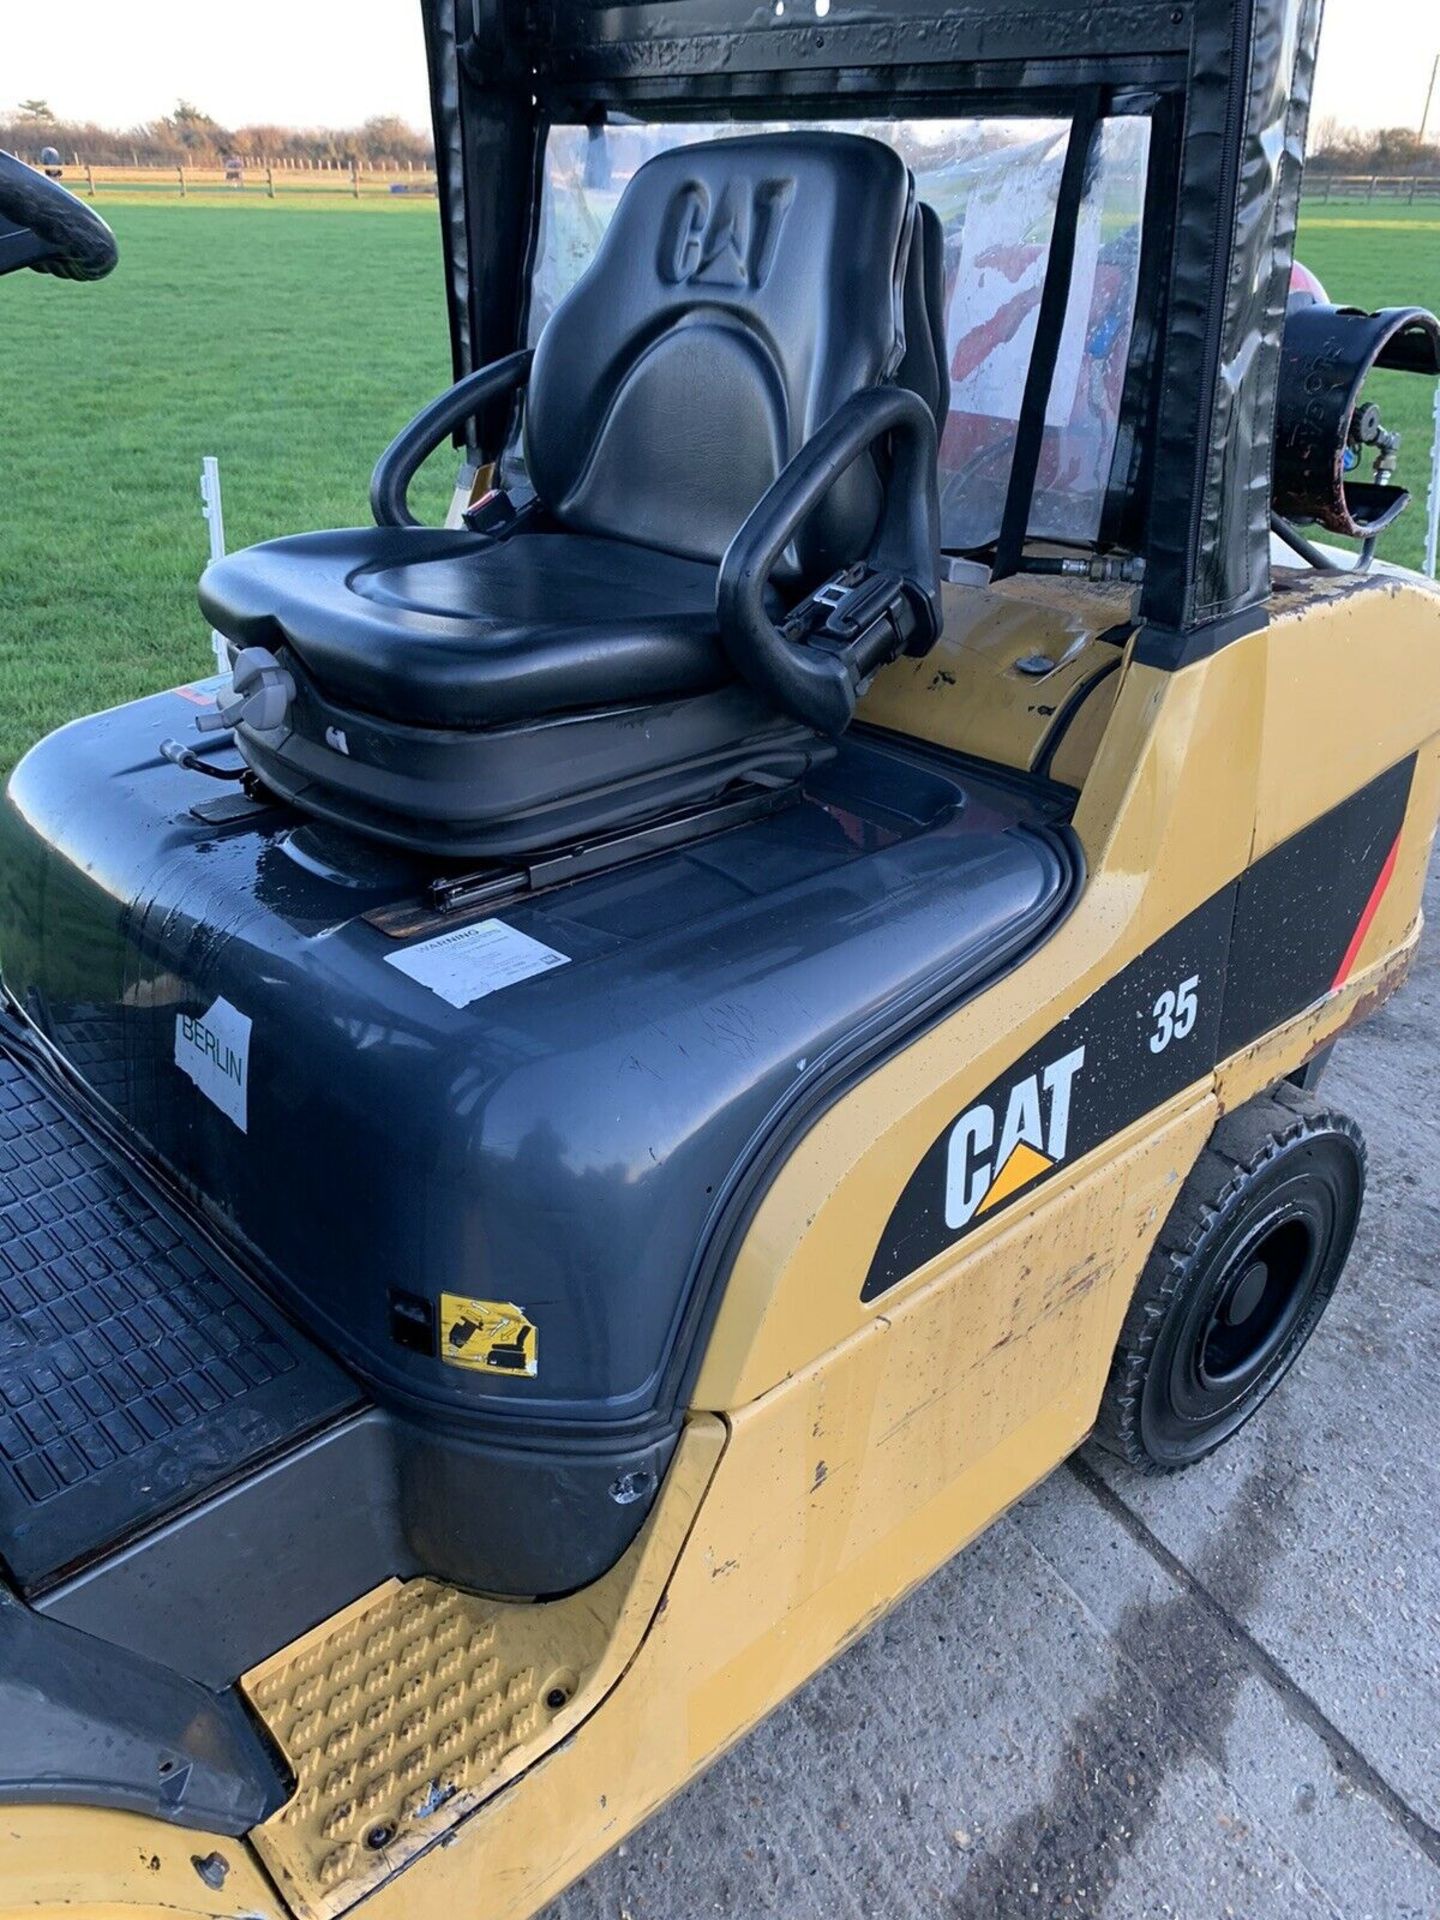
(138, 1369)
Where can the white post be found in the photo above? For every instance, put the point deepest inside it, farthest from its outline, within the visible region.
(211, 507)
(1432, 526)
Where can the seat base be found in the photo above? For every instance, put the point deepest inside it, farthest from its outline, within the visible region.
(514, 790)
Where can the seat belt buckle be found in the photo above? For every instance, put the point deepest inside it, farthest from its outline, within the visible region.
(860, 614)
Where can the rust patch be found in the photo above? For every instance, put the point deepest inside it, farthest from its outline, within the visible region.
(1318, 1028)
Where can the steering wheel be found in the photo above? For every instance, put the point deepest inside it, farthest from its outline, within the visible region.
(48, 228)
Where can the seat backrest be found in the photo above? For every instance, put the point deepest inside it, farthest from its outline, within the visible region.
(926, 366)
(742, 291)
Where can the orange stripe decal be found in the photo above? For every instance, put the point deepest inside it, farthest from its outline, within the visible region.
(1372, 907)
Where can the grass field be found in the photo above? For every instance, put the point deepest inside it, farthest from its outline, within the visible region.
(292, 339)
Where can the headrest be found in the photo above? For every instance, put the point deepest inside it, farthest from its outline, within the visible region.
(742, 291)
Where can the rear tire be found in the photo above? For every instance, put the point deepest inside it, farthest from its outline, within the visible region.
(1237, 1281)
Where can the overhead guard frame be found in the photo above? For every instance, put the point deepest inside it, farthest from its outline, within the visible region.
(1238, 77)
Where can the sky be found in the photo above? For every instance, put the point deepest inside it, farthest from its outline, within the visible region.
(121, 62)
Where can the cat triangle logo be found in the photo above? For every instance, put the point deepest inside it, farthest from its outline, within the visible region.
(1023, 1166)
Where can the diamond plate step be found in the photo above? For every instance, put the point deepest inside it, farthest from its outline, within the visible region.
(411, 1707)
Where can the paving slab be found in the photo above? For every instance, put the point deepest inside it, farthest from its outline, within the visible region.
(1206, 1696)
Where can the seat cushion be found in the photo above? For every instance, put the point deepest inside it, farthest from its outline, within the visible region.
(442, 629)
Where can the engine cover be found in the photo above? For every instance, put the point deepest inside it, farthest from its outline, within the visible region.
(490, 1165)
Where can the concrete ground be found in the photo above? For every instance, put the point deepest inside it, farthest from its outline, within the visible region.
(1206, 1696)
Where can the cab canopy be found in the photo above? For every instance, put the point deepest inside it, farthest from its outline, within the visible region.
(1118, 183)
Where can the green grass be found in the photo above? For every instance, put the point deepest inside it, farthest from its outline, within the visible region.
(293, 349)
(1371, 254)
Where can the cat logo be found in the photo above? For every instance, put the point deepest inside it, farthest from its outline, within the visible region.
(729, 242)
(981, 1169)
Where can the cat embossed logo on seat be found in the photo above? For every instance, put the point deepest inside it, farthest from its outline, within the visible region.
(724, 241)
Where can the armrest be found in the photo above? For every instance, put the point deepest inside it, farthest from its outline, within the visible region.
(413, 445)
(818, 677)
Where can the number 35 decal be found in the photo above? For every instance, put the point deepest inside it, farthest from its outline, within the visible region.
(1174, 1013)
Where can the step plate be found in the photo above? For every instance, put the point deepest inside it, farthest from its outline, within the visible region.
(394, 1721)
(411, 1708)
(138, 1369)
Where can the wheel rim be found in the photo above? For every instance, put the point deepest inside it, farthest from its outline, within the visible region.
(1267, 1289)
(1258, 1292)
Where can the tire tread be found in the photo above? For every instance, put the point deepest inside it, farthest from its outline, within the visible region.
(1243, 1144)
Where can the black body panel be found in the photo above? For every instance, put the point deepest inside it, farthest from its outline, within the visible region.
(163, 1484)
(1298, 909)
(213, 1591)
(567, 1145)
(1251, 957)
(87, 1724)
(138, 1368)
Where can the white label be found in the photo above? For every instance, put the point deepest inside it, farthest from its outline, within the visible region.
(473, 961)
(213, 1050)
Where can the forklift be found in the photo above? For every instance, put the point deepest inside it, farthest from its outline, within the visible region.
(651, 1058)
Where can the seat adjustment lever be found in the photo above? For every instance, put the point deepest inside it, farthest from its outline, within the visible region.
(259, 697)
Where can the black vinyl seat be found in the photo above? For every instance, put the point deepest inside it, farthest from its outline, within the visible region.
(447, 630)
(744, 293)
(925, 369)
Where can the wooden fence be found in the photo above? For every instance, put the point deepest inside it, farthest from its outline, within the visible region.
(268, 179)
(1371, 186)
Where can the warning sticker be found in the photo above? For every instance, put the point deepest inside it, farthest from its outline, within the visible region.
(213, 1050)
(472, 961)
(487, 1336)
(201, 693)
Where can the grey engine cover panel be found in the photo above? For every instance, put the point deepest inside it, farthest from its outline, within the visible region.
(567, 1142)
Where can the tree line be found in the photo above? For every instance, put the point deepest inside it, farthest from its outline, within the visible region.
(190, 137)
(1388, 150)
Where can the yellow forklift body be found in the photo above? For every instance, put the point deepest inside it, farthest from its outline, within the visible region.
(547, 1179)
(838, 1450)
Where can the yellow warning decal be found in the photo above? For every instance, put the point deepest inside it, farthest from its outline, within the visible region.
(487, 1336)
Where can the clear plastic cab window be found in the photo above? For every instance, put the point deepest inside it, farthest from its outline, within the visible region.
(994, 184)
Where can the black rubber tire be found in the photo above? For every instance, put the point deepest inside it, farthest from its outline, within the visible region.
(1236, 1284)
